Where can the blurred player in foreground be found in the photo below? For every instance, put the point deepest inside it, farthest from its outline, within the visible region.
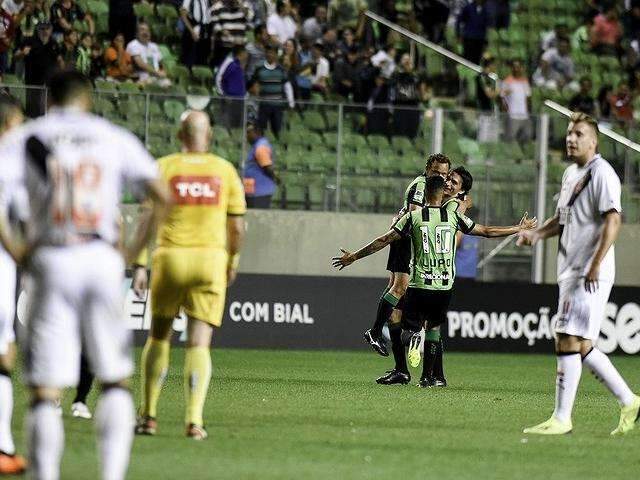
(588, 221)
(10, 463)
(197, 255)
(73, 165)
(432, 231)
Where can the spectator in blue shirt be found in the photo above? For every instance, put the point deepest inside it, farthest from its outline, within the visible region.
(259, 176)
(471, 26)
(231, 84)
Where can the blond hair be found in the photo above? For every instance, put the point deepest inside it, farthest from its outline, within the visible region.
(580, 117)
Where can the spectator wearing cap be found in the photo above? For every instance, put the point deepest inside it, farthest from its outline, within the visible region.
(583, 101)
(64, 13)
(275, 91)
(196, 38)
(7, 35)
(471, 26)
(118, 61)
(346, 78)
(231, 84)
(405, 97)
(41, 57)
(230, 21)
(259, 176)
(516, 93)
(487, 95)
(313, 27)
(281, 25)
(147, 58)
(606, 32)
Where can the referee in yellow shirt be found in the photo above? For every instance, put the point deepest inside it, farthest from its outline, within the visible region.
(197, 256)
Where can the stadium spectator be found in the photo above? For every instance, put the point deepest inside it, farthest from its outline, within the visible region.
(377, 107)
(545, 77)
(7, 36)
(253, 105)
(550, 39)
(387, 9)
(345, 12)
(196, 38)
(471, 27)
(604, 105)
(433, 16)
(606, 32)
(560, 62)
(231, 84)
(330, 42)
(147, 58)
(13, 7)
(583, 101)
(122, 19)
(84, 56)
(581, 38)
(275, 90)
(69, 49)
(281, 25)
(346, 79)
(516, 93)
(621, 105)
(385, 60)
(488, 93)
(259, 176)
(321, 70)
(41, 57)
(34, 12)
(64, 13)
(347, 42)
(404, 95)
(118, 61)
(313, 27)
(98, 65)
(230, 20)
(256, 48)
(367, 74)
(290, 58)
(499, 14)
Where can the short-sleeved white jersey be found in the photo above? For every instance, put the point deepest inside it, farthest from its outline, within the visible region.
(77, 194)
(587, 193)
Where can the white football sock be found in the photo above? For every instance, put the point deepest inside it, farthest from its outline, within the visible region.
(6, 410)
(567, 380)
(115, 419)
(46, 440)
(603, 369)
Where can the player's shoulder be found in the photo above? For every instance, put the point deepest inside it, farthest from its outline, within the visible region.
(603, 167)
(452, 205)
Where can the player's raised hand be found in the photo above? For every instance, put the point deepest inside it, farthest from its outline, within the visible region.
(527, 223)
(345, 260)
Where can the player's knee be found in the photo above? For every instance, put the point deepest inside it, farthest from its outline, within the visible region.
(199, 333)
(161, 328)
(571, 344)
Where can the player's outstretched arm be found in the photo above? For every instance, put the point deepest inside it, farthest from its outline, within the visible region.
(378, 244)
(610, 230)
(158, 195)
(525, 224)
(550, 228)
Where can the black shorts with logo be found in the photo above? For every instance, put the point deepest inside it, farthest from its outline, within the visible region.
(400, 256)
(422, 306)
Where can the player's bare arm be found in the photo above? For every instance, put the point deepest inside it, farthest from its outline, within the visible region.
(16, 249)
(551, 228)
(378, 244)
(610, 230)
(526, 224)
(235, 236)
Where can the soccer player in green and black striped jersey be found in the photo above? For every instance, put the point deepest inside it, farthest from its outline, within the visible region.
(432, 231)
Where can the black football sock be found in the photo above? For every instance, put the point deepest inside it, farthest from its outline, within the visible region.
(86, 379)
(386, 304)
(395, 332)
(438, 368)
(431, 340)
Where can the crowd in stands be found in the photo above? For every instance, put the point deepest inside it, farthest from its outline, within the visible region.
(288, 51)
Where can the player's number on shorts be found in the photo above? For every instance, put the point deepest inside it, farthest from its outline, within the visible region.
(443, 239)
(76, 195)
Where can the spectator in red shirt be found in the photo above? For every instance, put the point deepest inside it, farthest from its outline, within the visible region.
(606, 32)
(621, 104)
(7, 34)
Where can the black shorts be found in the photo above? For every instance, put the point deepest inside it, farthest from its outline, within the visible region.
(400, 256)
(425, 306)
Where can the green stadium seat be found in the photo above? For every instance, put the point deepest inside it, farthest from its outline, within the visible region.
(129, 87)
(402, 144)
(314, 121)
(379, 142)
(97, 8)
(173, 109)
(143, 10)
(168, 13)
(203, 75)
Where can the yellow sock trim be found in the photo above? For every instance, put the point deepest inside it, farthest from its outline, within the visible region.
(155, 364)
(197, 374)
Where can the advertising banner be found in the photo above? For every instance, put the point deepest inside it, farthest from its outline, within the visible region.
(304, 312)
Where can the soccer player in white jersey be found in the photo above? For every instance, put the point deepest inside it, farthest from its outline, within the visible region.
(74, 165)
(10, 463)
(588, 221)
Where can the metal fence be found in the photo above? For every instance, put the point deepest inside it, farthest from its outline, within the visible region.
(360, 158)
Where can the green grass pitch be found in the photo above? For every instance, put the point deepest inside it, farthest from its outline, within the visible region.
(318, 415)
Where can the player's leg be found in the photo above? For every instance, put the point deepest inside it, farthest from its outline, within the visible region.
(436, 305)
(373, 336)
(108, 346)
(197, 375)
(79, 408)
(438, 365)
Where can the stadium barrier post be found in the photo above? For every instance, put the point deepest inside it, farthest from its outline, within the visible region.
(541, 193)
(438, 122)
(339, 155)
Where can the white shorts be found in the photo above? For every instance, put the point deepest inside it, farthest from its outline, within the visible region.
(76, 298)
(581, 312)
(7, 301)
